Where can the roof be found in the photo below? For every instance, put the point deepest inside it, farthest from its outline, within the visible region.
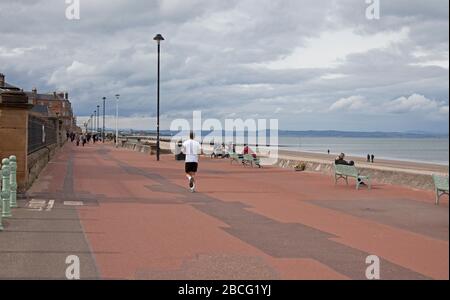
(7, 86)
(49, 96)
(41, 96)
(41, 109)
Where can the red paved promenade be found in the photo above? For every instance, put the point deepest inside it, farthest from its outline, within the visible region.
(138, 221)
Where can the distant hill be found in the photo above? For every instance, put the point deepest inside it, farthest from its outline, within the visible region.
(356, 134)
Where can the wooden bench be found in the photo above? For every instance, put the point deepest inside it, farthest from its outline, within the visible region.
(249, 159)
(440, 186)
(345, 171)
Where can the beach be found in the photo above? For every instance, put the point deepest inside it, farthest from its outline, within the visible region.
(381, 164)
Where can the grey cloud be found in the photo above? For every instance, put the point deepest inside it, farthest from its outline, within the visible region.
(210, 54)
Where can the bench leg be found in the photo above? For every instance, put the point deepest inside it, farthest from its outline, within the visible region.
(439, 194)
(337, 177)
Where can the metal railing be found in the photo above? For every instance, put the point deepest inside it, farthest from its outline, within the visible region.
(41, 133)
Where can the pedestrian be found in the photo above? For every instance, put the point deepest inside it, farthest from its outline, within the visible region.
(373, 158)
(83, 140)
(191, 148)
(340, 160)
(328, 151)
(78, 140)
(368, 158)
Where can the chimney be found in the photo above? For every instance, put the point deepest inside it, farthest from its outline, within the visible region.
(2, 80)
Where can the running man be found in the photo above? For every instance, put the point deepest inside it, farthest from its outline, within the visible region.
(192, 149)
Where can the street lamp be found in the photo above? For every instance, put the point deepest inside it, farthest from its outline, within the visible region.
(94, 120)
(103, 131)
(117, 120)
(98, 119)
(158, 38)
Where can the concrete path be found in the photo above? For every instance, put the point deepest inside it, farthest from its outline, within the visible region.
(129, 217)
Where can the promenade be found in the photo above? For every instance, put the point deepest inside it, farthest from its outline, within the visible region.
(127, 216)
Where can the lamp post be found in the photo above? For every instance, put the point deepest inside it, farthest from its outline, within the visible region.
(158, 38)
(103, 131)
(94, 120)
(117, 120)
(98, 119)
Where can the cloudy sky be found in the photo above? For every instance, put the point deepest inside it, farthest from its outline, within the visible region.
(312, 64)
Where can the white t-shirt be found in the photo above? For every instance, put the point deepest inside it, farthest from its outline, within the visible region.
(192, 149)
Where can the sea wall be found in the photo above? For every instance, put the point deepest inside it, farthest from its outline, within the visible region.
(143, 148)
(410, 179)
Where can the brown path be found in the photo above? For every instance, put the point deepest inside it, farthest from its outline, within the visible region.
(140, 222)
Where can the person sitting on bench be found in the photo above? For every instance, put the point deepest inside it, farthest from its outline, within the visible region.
(247, 150)
(340, 160)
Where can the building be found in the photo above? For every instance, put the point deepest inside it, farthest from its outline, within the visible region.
(54, 104)
(32, 127)
(10, 94)
(14, 114)
(58, 105)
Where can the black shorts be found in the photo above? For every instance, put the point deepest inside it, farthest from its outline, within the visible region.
(191, 167)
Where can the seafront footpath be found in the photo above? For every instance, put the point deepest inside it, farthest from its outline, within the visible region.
(126, 216)
(408, 174)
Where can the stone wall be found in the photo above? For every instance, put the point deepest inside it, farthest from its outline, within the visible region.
(143, 148)
(14, 139)
(37, 162)
(410, 179)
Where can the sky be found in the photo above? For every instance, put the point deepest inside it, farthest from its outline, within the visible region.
(311, 64)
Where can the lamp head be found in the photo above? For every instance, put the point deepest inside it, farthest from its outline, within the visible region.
(158, 38)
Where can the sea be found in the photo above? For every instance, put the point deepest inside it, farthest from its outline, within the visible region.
(425, 150)
(420, 148)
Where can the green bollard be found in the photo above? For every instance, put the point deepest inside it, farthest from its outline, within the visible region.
(6, 213)
(1, 223)
(13, 180)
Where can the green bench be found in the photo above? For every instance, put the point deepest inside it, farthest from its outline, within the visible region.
(249, 159)
(440, 186)
(235, 157)
(344, 172)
